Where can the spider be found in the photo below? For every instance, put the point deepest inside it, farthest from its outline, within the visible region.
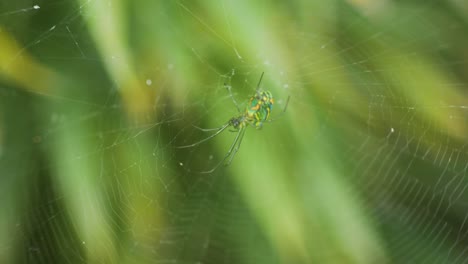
(255, 114)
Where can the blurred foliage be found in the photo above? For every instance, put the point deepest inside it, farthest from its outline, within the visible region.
(368, 164)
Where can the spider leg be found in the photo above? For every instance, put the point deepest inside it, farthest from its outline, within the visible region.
(287, 103)
(236, 148)
(221, 129)
(233, 145)
(206, 129)
(259, 82)
(228, 87)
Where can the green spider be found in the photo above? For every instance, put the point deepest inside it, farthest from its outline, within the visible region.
(255, 114)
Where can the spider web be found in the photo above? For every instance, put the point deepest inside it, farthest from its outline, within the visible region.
(367, 165)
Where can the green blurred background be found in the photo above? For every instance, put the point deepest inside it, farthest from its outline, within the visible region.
(367, 165)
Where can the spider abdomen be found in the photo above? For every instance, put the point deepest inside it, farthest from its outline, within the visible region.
(259, 108)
